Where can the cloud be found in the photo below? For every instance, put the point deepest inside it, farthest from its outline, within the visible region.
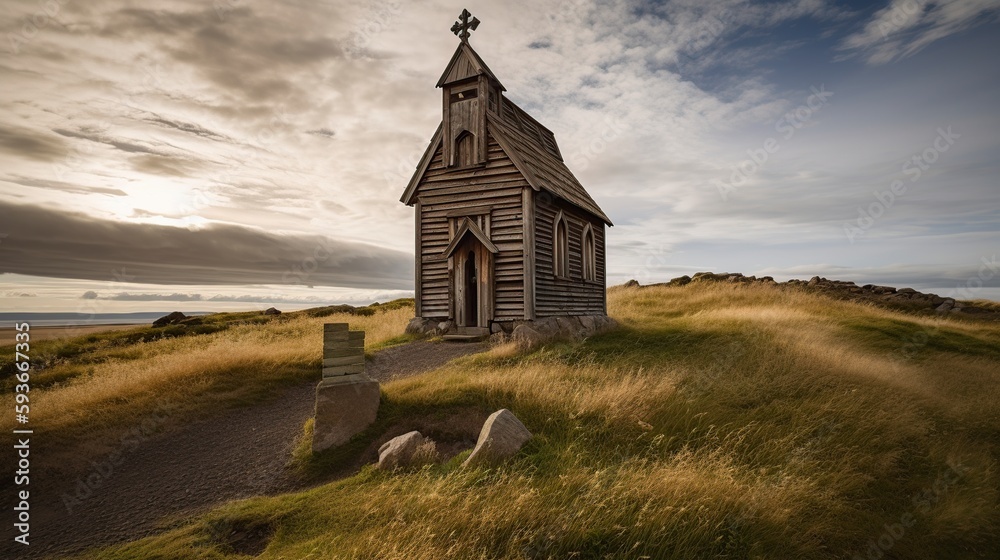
(63, 186)
(904, 27)
(28, 143)
(322, 132)
(46, 242)
(187, 127)
(126, 296)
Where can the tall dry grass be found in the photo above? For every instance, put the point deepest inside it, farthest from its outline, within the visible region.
(191, 374)
(717, 422)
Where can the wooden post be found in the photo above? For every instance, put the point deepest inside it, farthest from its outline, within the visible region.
(343, 350)
(528, 222)
(419, 258)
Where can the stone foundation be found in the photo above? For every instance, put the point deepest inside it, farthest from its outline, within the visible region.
(532, 332)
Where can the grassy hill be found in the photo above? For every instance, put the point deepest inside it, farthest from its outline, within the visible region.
(719, 421)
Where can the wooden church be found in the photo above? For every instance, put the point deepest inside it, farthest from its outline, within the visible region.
(504, 231)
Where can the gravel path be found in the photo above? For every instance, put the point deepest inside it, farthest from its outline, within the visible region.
(239, 453)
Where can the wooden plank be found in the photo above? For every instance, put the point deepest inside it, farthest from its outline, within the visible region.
(344, 360)
(330, 353)
(528, 251)
(343, 335)
(417, 258)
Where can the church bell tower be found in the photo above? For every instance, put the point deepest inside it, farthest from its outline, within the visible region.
(469, 90)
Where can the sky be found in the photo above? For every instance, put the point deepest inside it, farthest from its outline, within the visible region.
(237, 154)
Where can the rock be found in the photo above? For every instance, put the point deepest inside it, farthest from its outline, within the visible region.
(813, 281)
(907, 291)
(444, 326)
(345, 406)
(405, 450)
(680, 281)
(946, 306)
(502, 437)
(271, 311)
(171, 319)
(416, 325)
(632, 284)
(548, 326)
(191, 322)
(527, 336)
(495, 328)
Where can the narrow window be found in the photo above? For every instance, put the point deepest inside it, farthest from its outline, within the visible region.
(560, 247)
(589, 254)
(465, 148)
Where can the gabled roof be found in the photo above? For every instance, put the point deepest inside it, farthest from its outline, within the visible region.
(466, 63)
(540, 167)
(469, 227)
(425, 162)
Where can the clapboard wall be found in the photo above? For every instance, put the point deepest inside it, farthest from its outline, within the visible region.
(570, 295)
(494, 190)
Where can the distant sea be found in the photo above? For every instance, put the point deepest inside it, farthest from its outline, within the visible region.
(75, 319)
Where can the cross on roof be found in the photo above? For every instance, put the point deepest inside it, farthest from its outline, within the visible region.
(462, 28)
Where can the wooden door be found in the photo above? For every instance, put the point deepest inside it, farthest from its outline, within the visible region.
(472, 289)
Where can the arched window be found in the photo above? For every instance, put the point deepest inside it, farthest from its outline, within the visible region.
(465, 149)
(560, 246)
(589, 254)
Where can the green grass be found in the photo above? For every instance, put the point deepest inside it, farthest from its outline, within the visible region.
(719, 421)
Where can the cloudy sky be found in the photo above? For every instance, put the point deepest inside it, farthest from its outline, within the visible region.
(218, 155)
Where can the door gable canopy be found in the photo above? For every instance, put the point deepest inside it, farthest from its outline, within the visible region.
(468, 227)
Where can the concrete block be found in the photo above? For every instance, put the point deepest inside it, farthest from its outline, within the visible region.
(345, 406)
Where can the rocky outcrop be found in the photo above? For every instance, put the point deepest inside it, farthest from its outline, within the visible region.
(888, 296)
(271, 311)
(172, 319)
(502, 437)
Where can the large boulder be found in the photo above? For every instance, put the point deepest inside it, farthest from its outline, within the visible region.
(502, 437)
(272, 311)
(172, 319)
(527, 336)
(631, 284)
(345, 406)
(405, 450)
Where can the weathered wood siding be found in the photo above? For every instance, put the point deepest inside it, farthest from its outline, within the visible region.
(573, 295)
(444, 193)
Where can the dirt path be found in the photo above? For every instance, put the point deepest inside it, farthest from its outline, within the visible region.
(237, 454)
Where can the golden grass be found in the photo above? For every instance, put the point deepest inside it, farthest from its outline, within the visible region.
(193, 374)
(719, 421)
